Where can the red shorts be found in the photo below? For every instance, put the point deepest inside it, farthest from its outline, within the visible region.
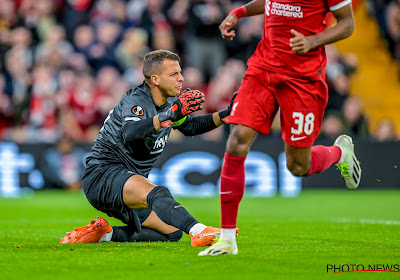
(302, 103)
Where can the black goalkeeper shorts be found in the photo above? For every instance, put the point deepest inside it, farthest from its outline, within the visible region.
(103, 185)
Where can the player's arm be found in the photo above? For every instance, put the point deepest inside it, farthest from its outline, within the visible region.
(342, 29)
(253, 8)
(191, 126)
(134, 128)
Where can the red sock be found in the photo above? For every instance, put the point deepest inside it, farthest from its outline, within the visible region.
(323, 157)
(232, 189)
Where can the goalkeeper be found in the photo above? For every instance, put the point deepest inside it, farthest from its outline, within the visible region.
(129, 143)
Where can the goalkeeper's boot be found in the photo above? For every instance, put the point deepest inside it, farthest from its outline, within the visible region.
(221, 247)
(207, 237)
(350, 168)
(91, 233)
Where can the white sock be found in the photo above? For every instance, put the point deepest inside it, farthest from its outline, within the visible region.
(343, 156)
(228, 234)
(196, 229)
(106, 237)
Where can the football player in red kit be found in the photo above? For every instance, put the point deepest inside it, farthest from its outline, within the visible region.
(286, 71)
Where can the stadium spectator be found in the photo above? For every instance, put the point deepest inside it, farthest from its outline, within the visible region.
(153, 18)
(76, 13)
(338, 72)
(332, 127)
(131, 140)
(46, 17)
(226, 81)
(163, 39)
(42, 124)
(194, 79)
(62, 166)
(28, 15)
(205, 47)
(109, 86)
(18, 84)
(355, 123)
(6, 110)
(83, 111)
(177, 13)
(385, 132)
(387, 15)
(8, 20)
(102, 52)
(20, 41)
(249, 34)
(135, 9)
(55, 49)
(286, 71)
(393, 26)
(131, 50)
(84, 37)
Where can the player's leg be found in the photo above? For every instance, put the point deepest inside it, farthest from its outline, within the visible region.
(120, 192)
(232, 188)
(139, 192)
(253, 110)
(306, 161)
(233, 178)
(153, 230)
(302, 109)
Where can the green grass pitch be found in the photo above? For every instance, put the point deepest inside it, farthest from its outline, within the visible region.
(280, 238)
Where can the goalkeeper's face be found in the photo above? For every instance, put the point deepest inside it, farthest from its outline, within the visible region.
(170, 78)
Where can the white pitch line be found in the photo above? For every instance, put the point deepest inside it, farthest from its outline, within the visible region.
(367, 221)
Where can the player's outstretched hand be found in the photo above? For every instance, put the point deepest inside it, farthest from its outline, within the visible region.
(188, 101)
(226, 25)
(224, 114)
(299, 43)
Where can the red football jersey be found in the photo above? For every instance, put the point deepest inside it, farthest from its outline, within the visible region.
(305, 16)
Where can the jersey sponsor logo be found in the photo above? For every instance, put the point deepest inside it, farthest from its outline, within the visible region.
(284, 10)
(159, 145)
(137, 110)
(294, 138)
(132, 119)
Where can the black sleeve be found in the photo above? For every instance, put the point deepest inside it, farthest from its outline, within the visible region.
(197, 125)
(134, 130)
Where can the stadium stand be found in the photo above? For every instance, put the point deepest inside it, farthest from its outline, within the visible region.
(64, 64)
(376, 81)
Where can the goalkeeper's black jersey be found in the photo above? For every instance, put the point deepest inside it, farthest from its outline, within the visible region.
(138, 156)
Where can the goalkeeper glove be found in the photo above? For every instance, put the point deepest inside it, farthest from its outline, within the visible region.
(224, 113)
(187, 102)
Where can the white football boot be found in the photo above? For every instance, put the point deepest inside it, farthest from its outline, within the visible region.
(221, 247)
(348, 165)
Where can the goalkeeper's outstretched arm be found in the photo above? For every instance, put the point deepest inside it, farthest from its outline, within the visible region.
(191, 126)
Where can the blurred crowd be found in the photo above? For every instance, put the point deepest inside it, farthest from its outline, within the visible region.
(65, 63)
(387, 14)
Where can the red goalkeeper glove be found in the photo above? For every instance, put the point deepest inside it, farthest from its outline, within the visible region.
(187, 102)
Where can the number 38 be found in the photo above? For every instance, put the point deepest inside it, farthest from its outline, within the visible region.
(304, 123)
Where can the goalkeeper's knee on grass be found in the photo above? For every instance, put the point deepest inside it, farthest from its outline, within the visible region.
(174, 236)
(169, 210)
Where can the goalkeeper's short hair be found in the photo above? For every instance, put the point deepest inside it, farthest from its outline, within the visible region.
(153, 60)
